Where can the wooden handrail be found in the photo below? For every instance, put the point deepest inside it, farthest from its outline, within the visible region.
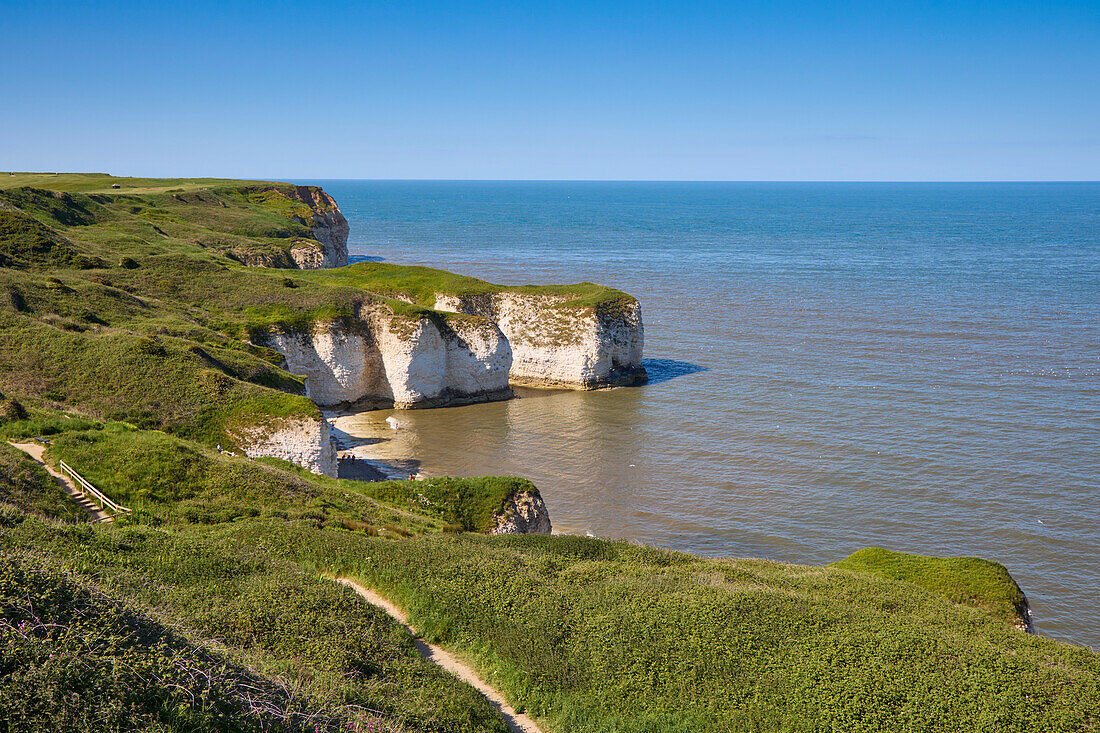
(87, 487)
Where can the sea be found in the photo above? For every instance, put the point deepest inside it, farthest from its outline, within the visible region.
(833, 366)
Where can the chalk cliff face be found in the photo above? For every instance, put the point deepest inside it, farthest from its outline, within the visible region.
(330, 228)
(524, 512)
(383, 359)
(562, 346)
(302, 440)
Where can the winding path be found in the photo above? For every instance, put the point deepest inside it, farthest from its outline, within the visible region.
(517, 722)
(35, 451)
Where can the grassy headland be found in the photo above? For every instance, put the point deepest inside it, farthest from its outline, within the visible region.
(123, 314)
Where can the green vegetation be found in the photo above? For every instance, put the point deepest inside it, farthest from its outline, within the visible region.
(422, 284)
(170, 481)
(24, 242)
(124, 316)
(594, 635)
(968, 580)
(107, 629)
(25, 485)
(102, 182)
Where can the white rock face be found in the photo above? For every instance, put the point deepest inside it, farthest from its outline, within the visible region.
(310, 255)
(523, 513)
(561, 346)
(399, 361)
(304, 441)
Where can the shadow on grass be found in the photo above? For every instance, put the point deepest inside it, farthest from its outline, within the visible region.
(662, 370)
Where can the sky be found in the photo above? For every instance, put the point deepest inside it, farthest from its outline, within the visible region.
(769, 90)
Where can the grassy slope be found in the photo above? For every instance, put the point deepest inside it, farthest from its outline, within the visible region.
(967, 580)
(576, 630)
(593, 635)
(422, 284)
(177, 615)
(26, 485)
(167, 480)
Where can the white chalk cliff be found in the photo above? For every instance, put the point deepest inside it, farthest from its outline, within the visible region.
(405, 361)
(302, 440)
(472, 353)
(556, 345)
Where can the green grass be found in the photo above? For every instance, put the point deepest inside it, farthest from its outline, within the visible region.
(968, 580)
(167, 480)
(25, 485)
(586, 634)
(130, 628)
(101, 182)
(592, 635)
(467, 503)
(25, 242)
(422, 284)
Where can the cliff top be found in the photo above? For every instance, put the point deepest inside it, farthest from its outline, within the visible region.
(104, 183)
(421, 285)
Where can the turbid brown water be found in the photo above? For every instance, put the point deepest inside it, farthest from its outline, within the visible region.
(835, 366)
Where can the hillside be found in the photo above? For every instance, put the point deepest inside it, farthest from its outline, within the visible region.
(134, 339)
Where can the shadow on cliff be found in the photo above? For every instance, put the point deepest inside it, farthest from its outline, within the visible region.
(662, 370)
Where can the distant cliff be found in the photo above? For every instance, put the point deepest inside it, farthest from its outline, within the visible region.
(328, 226)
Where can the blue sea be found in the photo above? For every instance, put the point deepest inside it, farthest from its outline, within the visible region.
(834, 366)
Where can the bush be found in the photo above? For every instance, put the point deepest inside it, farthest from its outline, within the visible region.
(16, 300)
(128, 263)
(88, 262)
(11, 409)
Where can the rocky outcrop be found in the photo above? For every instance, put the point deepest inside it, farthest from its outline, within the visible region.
(524, 512)
(329, 228)
(382, 359)
(302, 440)
(310, 255)
(557, 344)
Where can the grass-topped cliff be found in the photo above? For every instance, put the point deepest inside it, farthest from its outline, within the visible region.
(125, 317)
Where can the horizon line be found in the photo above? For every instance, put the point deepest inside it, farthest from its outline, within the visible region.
(692, 180)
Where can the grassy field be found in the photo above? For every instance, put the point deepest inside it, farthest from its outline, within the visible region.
(422, 284)
(134, 628)
(103, 182)
(124, 316)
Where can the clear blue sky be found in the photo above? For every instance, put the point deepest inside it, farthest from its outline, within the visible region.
(766, 90)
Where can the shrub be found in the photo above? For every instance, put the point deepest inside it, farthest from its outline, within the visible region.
(88, 262)
(16, 300)
(11, 409)
(152, 345)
